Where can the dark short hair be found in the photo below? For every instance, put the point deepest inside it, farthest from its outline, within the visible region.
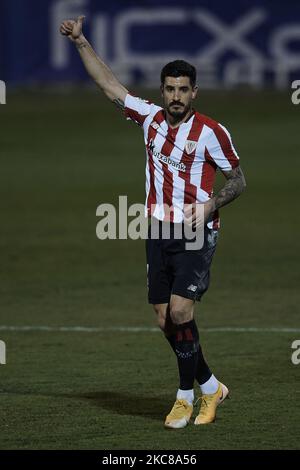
(179, 68)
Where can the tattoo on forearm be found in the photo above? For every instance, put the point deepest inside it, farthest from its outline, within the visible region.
(119, 103)
(90, 50)
(81, 45)
(234, 186)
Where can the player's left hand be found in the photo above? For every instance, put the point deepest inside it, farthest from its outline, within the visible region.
(198, 214)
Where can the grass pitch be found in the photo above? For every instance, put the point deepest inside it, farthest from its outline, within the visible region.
(62, 156)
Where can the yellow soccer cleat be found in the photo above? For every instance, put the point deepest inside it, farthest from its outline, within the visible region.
(180, 415)
(209, 405)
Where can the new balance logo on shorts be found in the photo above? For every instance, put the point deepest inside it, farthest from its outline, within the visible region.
(192, 288)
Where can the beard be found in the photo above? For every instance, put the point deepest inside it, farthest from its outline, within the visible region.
(179, 111)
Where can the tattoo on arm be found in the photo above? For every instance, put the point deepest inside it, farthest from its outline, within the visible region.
(119, 103)
(81, 45)
(234, 186)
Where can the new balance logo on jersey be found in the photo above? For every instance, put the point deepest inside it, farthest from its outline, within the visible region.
(163, 158)
(142, 100)
(154, 124)
(190, 146)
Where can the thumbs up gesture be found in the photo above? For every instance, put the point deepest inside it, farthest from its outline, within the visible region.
(72, 28)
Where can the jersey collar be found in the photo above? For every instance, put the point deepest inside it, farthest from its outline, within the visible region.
(182, 125)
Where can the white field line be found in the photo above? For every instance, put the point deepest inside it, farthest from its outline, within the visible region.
(133, 329)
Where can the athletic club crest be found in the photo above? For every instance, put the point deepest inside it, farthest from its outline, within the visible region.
(190, 146)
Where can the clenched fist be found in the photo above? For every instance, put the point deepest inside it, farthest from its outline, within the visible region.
(72, 29)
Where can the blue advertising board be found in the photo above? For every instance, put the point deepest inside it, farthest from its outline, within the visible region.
(231, 43)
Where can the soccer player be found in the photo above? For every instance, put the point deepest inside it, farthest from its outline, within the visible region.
(184, 149)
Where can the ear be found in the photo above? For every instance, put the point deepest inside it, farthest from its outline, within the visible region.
(162, 89)
(194, 92)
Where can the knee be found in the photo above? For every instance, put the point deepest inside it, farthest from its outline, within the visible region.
(180, 315)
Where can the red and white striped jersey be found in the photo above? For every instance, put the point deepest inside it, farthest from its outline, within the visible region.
(181, 163)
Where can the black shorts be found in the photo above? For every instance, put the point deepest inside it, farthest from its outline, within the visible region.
(171, 269)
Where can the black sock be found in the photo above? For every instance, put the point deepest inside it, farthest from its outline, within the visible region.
(171, 341)
(203, 372)
(185, 343)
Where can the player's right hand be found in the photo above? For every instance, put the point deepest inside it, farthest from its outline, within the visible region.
(71, 28)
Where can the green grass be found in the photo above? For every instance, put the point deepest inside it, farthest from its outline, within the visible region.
(62, 156)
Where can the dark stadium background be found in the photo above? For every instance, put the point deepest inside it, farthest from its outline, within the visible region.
(65, 149)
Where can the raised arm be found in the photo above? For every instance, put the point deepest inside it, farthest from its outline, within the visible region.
(95, 67)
